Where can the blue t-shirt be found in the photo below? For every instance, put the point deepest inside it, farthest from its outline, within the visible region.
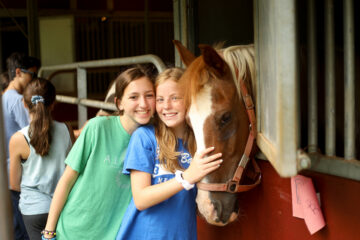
(15, 115)
(174, 218)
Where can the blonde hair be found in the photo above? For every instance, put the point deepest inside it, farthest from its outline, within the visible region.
(241, 59)
(166, 139)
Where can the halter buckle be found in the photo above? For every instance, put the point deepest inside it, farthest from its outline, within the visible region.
(231, 186)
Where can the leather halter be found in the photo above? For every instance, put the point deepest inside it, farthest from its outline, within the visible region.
(233, 185)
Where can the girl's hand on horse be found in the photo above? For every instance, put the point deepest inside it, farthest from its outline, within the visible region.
(201, 165)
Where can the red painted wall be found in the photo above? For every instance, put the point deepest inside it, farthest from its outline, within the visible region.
(266, 211)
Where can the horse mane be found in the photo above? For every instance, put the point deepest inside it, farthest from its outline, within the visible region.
(242, 59)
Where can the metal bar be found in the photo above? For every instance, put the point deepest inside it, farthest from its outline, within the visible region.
(330, 96)
(335, 166)
(110, 37)
(86, 102)
(81, 93)
(1, 50)
(177, 29)
(147, 25)
(349, 79)
(6, 223)
(184, 23)
(33, 28)
(312, 87)
(180, 27)
(191, 9)
(149, 58)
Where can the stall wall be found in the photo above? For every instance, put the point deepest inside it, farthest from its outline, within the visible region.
(266, 211)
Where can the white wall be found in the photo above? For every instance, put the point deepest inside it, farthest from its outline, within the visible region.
(57, 46)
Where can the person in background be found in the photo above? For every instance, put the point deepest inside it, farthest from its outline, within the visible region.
(37, 155)
(92, 195)
(162, 171)
(35, 65)
(21, 71)
(4, 77)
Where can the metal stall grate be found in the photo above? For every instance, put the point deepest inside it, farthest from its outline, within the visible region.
(308, 110)
(333, 126)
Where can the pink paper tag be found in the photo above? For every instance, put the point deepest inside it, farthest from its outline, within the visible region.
(295, 193)
(306, 204)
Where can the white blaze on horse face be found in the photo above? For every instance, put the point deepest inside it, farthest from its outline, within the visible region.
(199, 111)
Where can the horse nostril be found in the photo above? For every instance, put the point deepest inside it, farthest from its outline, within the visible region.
(218, 209)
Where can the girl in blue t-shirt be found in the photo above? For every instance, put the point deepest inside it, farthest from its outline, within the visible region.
(162, 171)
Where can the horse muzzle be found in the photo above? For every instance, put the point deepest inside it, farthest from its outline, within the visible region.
(215, 211)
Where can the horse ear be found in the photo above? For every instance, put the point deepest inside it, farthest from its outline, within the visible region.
(186, 56)
(213, 59)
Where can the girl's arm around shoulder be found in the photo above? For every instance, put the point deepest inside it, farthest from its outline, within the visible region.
(146, 195)
(61, 194)
(18, 150)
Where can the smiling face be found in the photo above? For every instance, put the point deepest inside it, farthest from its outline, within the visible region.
(170, 106)
(137, 103)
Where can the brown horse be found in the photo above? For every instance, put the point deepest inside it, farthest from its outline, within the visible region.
(219, 117)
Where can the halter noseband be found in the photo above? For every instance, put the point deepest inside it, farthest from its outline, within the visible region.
(233, 185)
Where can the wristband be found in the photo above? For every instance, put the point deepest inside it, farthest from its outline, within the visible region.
(178, 176)
(44, 238)
(51, 233)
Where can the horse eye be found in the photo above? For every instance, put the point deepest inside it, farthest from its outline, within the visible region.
(225, 118)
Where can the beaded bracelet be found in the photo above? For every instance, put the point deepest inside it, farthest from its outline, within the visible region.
(51, 233)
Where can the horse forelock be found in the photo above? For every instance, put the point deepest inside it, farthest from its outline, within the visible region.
(241, 60)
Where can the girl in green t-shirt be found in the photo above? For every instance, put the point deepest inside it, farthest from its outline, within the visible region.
(92, 194)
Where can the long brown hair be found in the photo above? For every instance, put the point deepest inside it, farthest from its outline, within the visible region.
(167, 141)
(39, 95)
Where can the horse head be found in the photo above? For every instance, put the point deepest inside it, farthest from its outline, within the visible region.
(219, 118)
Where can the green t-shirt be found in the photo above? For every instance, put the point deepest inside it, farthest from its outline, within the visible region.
(98, 200)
